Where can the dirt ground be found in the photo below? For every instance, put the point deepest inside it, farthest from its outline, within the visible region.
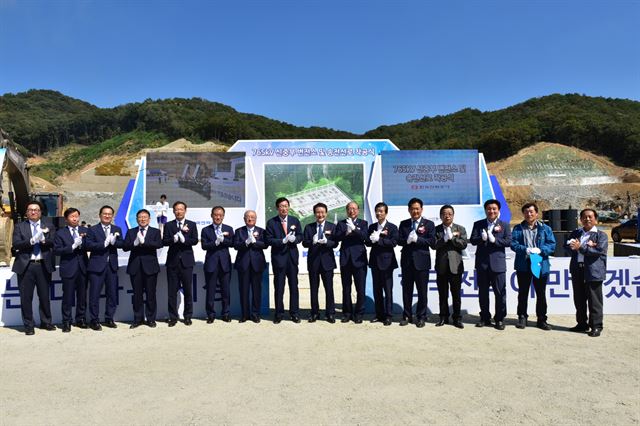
(232, 373)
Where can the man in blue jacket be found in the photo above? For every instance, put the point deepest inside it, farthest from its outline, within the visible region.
(588, 268)
(532, 237)
(69, 245)
(491, 236)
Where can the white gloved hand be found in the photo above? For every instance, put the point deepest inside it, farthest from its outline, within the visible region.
(322, 240)
(113, 238)
(252, 238)
(350, 225)
(38, 237)
(315, 239)
(176, 237)
(491, 237)
(181, 237)
(140, 238)
(484, 235)
(219, 239)
(528, 250)
(375, 236)
(412, 238)
(248, 241)
(291, 237)
(536, 250)
(77, 242)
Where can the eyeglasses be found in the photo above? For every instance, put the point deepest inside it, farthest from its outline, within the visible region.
(33, 210)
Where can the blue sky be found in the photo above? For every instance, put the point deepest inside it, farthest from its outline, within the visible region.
(349, 65)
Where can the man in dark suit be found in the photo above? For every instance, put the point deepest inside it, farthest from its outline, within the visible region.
(451, 239)
(250, 264)
(180, 235)
(415, 235)
(382, 238)
(320, 239)
(352, 233)
(491, 236)
(588, 246)
(103, 241)
(283, 235)
(216, 240)
(143, 242)
(34, 263)
(69, 245)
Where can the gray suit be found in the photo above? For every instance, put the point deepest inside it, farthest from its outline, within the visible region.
(449, 268)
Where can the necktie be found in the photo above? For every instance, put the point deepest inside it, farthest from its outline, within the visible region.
(74, 233)
(106, 231)
(284, 226)
(319, 231)
(217, 229)
(179, 226)
(415, 225)
(142, 231)
(36, 246)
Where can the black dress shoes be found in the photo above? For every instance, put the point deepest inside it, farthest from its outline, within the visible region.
(135, 324)
(458, 324)
(172, 323)
(241, 320)
(277, 320)
(580, 328)
(255, 319)
(484, 323)
(420, 323)
(595, 332)
(110, 324)
(226, 318)
(358, 319)
(522, 322)
(405, 321)
(542, 325)
(345, 319)
(81, 324)
(442, 322)
(331, 319)
(187, 321)
(29, 331)
(151, 324)
(387, 322)
(295, 319)
(499, 325)
(313, 318)
(376, 320)
(66, 327)
(210, 320)
(95, 325)
(48, 327)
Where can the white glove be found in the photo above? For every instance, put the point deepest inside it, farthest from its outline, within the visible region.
(350, 225)
(252, 238)
(322, 240)
(528, 250)
(412, 238)
(219, 239)
(248, 241)
(315, 239)
(139, 239)
(176, 237)
(181, 237)
(491, 237)
(77, 242)
(536, 250)
(291, 237)
(375, 236)
(38, 237)
(113, 238)
(484, 235)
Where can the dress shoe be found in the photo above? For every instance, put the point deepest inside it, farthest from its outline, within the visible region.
(387, 322)
(522, 321)
(277, 320)
(81, 324)
(376, 320)
(255, 319)
(405, 321)
(110, 324)
(187, 321)
(484, 323)
(595, 332)
(29, 331)
(580, 328)
(345, 319)
(226, 318)
(542, 325)
(172, 323)
(95, 325)
(241, 320)
(499, 325)
(458, 324)
(296, 319)
(210, 320)
(135, 324)
(358, 320)
(313, 318)
(66, 327)
(331, 319)
(151, 324)
(48, 327)
(442, 322)
(420, 323)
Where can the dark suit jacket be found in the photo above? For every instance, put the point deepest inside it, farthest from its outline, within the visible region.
(491, 255)
(352, 249)
(449, 253)
(217, 255)
(71, 261)
(416, 255)
(281, 253)
(21, 243)
(251, 256)
(144, 257)
(180, 253)
(94, 242)
(383, 256)
(320, 257)
(595, 258)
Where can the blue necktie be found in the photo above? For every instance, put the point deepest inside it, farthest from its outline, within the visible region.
(319, 232)
(415, 225)
(36, 246)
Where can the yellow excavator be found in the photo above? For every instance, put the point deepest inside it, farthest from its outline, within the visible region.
(15, 194)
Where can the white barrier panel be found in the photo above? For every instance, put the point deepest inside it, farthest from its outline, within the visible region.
(10, 296)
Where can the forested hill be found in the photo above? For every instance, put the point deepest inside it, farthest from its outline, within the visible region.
(42, 119)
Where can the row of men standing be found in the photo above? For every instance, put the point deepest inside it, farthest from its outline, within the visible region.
(36, 242)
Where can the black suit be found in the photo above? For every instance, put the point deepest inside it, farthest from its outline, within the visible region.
(415, 262)
(143, 268)
(103, 269)
(353, 265)
(73, 272)
(250, 264)
(320, 263)
(382, 261)
(180, 262)
(217, 267)
(449, 268)
(33, 274)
